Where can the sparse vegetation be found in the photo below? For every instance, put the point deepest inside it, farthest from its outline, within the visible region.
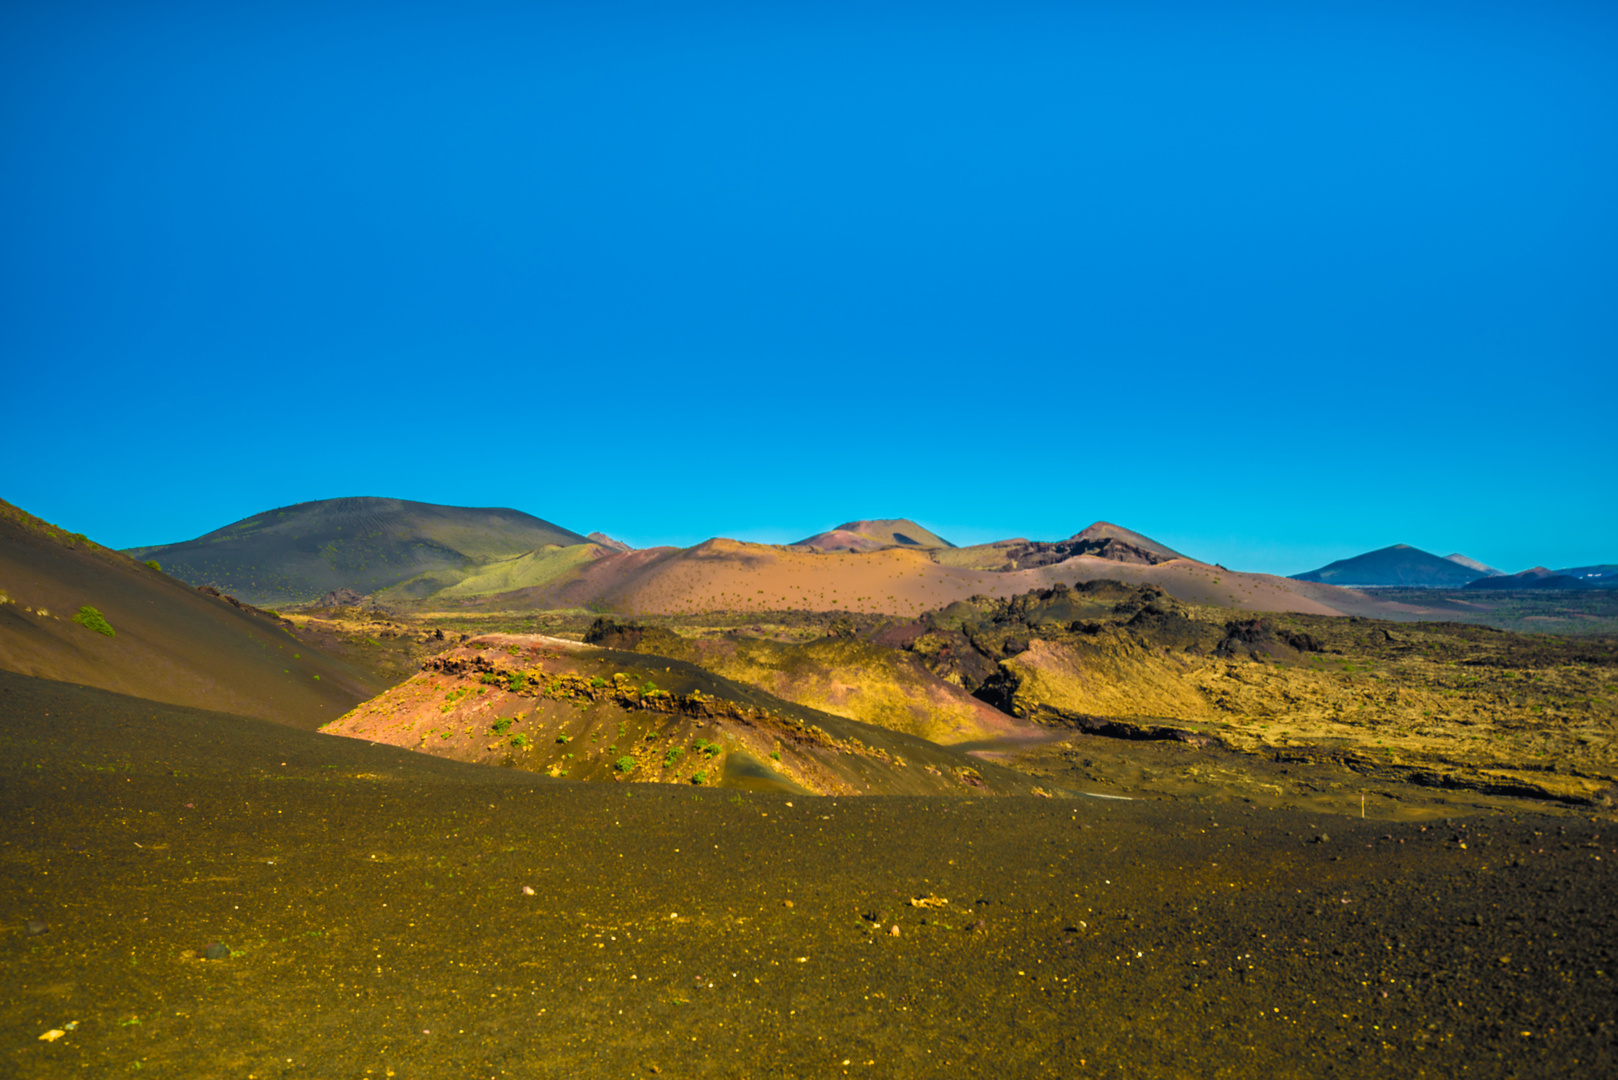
(91, 619)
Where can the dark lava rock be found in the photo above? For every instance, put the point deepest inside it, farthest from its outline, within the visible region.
(1259, 638)
(347, 598)
(628, 636)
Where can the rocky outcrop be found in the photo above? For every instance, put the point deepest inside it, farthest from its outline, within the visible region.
(347, 598)
(1260, 639)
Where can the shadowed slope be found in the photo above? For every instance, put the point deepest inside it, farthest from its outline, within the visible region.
(169, 643)
(1400, 564)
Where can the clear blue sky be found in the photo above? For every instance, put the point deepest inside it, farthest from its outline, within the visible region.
(1275, 284)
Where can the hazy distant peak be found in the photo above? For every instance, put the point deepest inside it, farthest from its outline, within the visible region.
(1473, 564)
(1398, 564)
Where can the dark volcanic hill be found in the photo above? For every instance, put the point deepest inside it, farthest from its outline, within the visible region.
(1603, 574)
(1536, 578)
(1400, 564)
(297, 553)
(168, 641)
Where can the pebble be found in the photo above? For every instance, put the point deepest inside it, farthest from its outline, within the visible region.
(37, 927)
(528, 890)
(216, 951)
(893, 931)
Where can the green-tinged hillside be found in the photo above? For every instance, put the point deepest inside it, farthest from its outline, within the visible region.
(1400, 564)
(585, 713)
(74, 611)
(525, 571)
(841, 675)
(295, 554)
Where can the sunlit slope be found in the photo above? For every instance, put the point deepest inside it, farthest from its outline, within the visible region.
(1101, 540)
(528, 570)
(844, 676)
(578, 712)
(169, 643)
(871, 535)
(294, 554)
(1106, 530)
(736, 576)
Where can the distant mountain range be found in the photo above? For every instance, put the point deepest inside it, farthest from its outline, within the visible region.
(399, 552)
(1404, 566)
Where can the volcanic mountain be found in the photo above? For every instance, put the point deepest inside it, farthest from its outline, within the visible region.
(74, 611)
(295, 554)
(873, 535)
(1472, 564)
(1537, 577)
(1400, 564)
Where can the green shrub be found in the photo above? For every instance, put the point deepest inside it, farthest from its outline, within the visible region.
(91, 619)
(519, 740)
(672, 757)
(699, 778)
(517, 682)
(625, 765)
(499, 726)
(153, 563)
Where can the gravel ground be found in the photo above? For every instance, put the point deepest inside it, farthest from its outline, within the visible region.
(387, 914)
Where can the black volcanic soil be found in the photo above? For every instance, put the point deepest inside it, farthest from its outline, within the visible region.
(373, 911)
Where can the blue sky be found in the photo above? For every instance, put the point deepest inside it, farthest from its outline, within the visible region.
(1274, 284)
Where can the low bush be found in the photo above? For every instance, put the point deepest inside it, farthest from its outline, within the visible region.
(91, 619)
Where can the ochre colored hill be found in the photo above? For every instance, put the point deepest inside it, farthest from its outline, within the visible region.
(297, 553)
(843, 675)
(584, 713)
(872, 535)
(169, 642)
(1106, 530)
(735, 576)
